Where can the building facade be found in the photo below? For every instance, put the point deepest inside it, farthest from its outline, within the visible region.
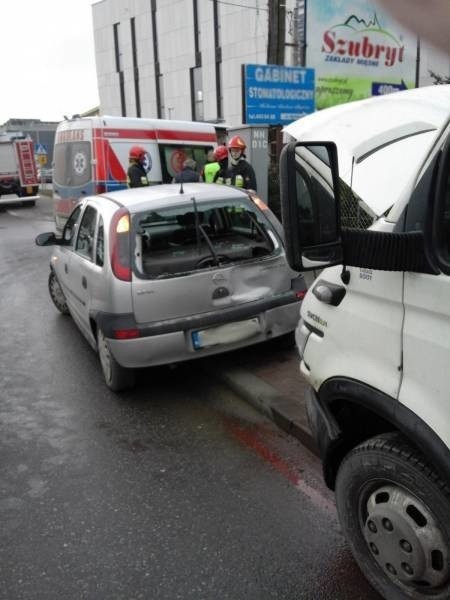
(182, 59)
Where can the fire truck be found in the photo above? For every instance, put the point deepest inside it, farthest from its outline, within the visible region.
(18, 173)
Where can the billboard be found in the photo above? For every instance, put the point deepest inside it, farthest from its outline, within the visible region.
(357, 51)
(276, 95)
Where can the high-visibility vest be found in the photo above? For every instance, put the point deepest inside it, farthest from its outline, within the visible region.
(239, 181)
(210, 170)
(223, 180)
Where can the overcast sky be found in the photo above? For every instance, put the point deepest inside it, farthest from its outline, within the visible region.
(47, 60)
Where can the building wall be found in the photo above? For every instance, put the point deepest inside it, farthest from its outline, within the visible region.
(242, 38)
(432, 60)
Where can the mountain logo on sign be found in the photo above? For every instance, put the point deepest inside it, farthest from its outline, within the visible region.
(373, 23)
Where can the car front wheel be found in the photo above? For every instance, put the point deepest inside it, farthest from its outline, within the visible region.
(117, 378)
(394, 511)
(56, 294)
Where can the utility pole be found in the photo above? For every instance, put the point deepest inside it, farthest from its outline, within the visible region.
(277, 32)
(275, 56)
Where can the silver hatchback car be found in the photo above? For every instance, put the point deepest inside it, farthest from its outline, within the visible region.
(166, 273)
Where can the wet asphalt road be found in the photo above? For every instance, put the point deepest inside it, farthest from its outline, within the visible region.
(176, 489)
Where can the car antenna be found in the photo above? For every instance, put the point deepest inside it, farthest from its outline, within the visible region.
(181, 188)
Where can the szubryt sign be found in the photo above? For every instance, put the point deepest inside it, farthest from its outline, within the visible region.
(276, 95)
(357, 51)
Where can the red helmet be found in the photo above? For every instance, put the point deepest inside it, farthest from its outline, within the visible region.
(220, 153)
(237, 143)
(137, 153)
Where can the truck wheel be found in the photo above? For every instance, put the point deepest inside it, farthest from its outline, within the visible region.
(56, 294)
(394, 511)
(28, 202)
(117, 378)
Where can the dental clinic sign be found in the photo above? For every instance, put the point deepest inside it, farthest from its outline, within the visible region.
(357, 51)
(276, 95)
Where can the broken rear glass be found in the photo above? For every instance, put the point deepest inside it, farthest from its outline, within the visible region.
(179, 239)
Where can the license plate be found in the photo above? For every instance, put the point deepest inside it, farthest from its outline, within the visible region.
(29, 189)
(225, 334)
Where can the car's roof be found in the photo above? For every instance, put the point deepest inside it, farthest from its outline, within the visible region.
(137, 199)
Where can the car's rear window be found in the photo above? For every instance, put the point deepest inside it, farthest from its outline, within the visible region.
(180, 239)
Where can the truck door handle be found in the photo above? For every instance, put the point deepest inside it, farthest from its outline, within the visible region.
(84, 282)
(329, 293)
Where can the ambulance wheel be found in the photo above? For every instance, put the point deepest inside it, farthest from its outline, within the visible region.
(117, 378)
(57, 295)
(394, 512)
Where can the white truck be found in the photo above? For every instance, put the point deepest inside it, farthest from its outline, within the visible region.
(18, 173)
(374, 333)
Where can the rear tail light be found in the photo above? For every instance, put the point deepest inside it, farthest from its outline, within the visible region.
(125, 334)
(298, 286)
(119, 236)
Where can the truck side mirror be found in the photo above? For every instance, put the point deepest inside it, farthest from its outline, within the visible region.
(309, 183)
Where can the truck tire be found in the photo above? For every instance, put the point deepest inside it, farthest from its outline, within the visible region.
(28, 202)
(57, 295)
(117, 378)
(395, 513)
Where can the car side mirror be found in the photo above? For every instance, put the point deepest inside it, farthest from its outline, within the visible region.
(47, 239)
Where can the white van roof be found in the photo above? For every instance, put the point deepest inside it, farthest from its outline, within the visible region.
(381, 137)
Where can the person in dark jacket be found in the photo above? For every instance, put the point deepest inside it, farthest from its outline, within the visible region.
(188, 174)
(136, 174)
(242, 172)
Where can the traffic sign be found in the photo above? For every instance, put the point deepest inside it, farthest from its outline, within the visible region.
(40, 149)
(42, 158)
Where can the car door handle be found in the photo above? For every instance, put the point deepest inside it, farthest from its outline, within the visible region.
(84, 282)
(329, 293)
(66, 268)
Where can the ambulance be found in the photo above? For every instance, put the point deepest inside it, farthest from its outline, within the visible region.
(91, 154)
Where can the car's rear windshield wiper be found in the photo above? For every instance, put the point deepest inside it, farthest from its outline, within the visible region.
(201, 229)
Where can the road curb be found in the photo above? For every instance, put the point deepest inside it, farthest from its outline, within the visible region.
(284, 411)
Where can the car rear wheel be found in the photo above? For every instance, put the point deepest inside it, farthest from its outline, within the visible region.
(56, 294)
(394, 511)
(117, 378)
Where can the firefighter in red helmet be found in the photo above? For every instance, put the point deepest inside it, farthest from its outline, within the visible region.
(136, 174)
(242, 172)
(222, 175)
